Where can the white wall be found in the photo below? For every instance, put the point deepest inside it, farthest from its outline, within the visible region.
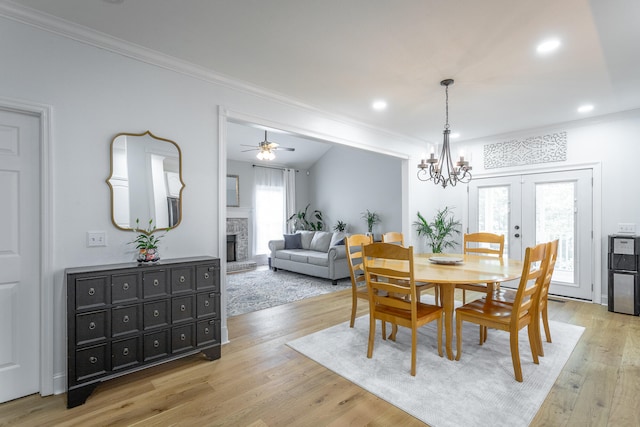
(347, 181)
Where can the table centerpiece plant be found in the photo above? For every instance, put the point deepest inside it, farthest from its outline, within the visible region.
(147, 243)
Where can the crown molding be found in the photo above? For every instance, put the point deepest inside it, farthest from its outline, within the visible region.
(85, 35)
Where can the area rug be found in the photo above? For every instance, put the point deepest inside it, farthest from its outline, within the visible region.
(478, 390)
(260, 289)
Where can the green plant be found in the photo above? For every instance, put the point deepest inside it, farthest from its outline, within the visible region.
(340, 226)
(372, 219)
(300, 221)
(440, 231)
(146, 239)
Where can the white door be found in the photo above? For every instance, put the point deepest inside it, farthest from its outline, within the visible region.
(534, 208)
(19, 254)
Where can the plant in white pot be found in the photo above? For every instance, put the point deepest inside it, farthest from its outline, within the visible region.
(147, 243)
(439, 232)
(372, 218)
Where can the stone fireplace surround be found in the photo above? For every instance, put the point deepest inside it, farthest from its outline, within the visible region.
(238, 225)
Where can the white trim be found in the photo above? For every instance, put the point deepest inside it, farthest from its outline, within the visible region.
(44, 113)
(222, 217)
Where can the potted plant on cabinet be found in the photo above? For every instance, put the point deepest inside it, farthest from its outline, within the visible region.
(147, 243)
(440, 230)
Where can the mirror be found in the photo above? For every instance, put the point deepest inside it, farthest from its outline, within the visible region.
(233, 192)
(145, 181)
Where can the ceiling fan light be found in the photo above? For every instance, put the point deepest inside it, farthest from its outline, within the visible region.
(260, 156)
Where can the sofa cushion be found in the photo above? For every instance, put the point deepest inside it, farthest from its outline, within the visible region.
(338, 238)
(292, 241)
(317, 258)
(321, 241)
(306, 237)
(301, 256)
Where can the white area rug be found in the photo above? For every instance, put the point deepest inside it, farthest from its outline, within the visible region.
(478, 390)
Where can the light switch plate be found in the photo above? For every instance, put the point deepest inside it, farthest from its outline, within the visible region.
(626, 228)
(96, 238)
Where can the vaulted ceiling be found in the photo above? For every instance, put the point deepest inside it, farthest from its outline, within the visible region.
(341, 55)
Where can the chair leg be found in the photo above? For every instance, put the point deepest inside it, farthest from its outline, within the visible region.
(534, 335)
(394, 331)
(354, 307)
(436, 291)
(372, 335)
(384, 330)
(545, 321)
(440, 336)
(515, 355)
(414, 344)
(482, 332)
(464, 296)
(458, 336)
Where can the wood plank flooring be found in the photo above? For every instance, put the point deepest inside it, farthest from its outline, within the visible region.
(259, 381)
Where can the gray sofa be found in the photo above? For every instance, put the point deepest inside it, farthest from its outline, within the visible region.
(315, 253)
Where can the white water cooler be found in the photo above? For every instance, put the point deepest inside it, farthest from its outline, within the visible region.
(624, 267)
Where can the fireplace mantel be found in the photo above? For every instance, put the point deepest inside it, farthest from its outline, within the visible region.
(238, 212)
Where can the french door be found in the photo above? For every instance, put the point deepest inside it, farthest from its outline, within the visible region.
(534, 208)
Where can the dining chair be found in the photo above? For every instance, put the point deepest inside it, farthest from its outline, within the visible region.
(480, 244)
(353, 246)
(398, 238)
(509, 295)
(393, 237)
(398, 303)
(511, 317)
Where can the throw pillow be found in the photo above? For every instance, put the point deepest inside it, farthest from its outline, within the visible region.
(338, 238)
(307, 236)
(321, 241)
(292, 241)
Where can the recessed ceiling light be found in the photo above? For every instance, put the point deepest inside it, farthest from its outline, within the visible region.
(379, 105)
(548, 46)
(585, 108)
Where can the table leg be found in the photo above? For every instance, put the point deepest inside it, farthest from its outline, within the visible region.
(447, 293)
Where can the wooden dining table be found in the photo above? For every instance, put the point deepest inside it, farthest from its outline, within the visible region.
(472, 269)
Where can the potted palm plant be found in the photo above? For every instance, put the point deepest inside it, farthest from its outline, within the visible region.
(372, 218)
(439, 232)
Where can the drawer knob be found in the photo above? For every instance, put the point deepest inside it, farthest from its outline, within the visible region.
(92, 325)
(125, 286)
(93, 360)
(206, 303)
(125, 319)
(92, 291)
(183, 337)
(156, 343)
(156, 313)
(125, 351)
(183, 308)
(206, 275)
(156, 282)
(182, 279)
(206, 330)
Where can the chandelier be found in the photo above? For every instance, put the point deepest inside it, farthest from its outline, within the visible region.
(441, 171)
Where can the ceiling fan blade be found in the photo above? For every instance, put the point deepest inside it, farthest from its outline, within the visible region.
(251, 149)
(286, 148)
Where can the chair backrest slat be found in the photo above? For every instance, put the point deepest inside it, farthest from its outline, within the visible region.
(496, 242)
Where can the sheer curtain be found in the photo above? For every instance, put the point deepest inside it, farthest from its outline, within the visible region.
(290, 195)
(269, 207)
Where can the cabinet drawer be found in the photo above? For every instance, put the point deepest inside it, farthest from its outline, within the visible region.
(207, 332)
(208, 277)
(156, 345)
(182, 309)
(182, 280)
(91, 327)
(91, 362)
(124, 288)
(125, 353)
(154, 283)
(156, 314)
(208, 304)
(91, 292)
(125, 320)
(182, 338)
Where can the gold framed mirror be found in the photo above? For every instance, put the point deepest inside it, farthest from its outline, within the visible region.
(233, 191)
(145, 181)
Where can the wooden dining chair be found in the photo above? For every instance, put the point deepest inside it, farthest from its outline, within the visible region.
(511, 317)
(509, 295)
(480, 244)
(398, 303)
(353, 246)
(393, 237)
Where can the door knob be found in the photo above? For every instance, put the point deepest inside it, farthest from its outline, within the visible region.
(517, 227)
(516, 235)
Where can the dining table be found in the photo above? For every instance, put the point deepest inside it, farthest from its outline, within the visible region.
(450, 270)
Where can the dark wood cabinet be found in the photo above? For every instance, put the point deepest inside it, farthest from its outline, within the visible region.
(125, 317)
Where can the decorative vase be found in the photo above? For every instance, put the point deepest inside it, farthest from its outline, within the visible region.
(148, 255)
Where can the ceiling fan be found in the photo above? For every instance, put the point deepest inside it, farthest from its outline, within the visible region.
(266, 149)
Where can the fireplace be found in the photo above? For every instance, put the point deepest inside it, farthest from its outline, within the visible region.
(232, 247)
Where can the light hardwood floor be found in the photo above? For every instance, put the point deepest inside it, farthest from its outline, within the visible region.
(259, 381)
